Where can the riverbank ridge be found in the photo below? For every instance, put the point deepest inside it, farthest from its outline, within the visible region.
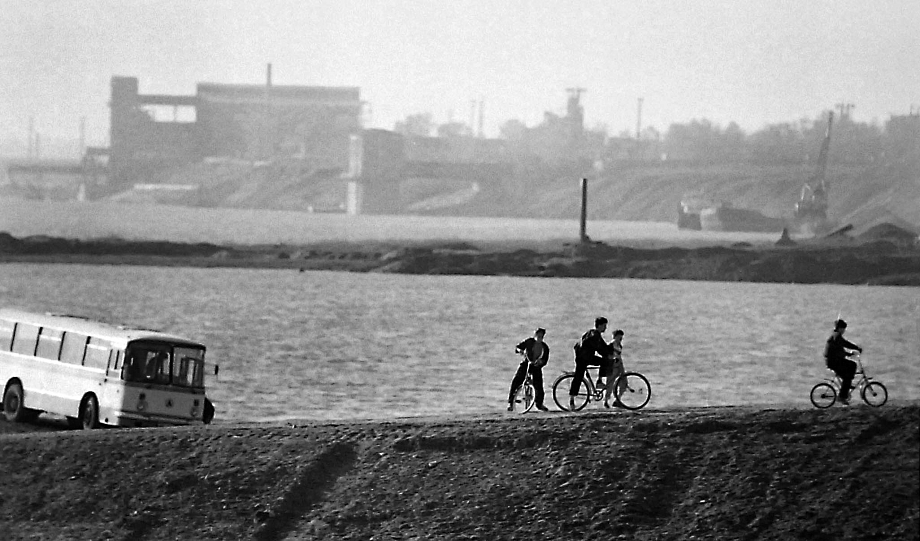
(883, 255)
(705, 473)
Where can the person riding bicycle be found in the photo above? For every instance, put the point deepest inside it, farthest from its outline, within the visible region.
(536, 354)
(590, 350)
(835, 356)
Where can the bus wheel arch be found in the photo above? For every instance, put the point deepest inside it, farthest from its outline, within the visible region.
(89, 412)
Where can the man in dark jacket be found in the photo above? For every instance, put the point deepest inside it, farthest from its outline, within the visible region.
(536, 354)
(591, 350)
(835, 355)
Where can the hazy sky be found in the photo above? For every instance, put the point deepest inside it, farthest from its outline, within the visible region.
(750, 62)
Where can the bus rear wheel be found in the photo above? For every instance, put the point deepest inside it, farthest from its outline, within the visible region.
(89, 413)
(13, 409)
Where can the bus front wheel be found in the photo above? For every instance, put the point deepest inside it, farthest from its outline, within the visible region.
(89, 413)
(208, 412)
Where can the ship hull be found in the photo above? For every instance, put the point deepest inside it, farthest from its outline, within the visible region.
(737, 219)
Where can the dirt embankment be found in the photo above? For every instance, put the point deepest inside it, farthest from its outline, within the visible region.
(711, 473)
(889, 259)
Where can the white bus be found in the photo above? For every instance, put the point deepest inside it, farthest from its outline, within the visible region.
(96, 374)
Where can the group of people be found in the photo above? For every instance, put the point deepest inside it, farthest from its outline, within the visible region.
(590, 350)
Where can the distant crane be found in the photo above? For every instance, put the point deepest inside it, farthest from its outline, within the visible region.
(811, 210)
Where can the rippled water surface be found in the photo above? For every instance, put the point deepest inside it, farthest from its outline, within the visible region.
(328, 345)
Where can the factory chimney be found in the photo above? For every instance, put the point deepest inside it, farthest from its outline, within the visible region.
(639, 121)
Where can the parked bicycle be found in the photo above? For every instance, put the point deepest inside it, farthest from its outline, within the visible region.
(874, 393)
(631, 390)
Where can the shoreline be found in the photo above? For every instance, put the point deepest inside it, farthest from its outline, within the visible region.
(725, 472)
(876, 262)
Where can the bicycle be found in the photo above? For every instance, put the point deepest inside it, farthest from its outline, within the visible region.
(526, 393)
(635, 395)
(825, 394)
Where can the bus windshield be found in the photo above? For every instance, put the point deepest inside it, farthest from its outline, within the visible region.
(165, 365)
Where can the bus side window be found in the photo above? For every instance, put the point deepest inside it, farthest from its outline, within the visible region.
(6, 334)
(49, 343)
(73, 348)
(97, 353)
(25, 339)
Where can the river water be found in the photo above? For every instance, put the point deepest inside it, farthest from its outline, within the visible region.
(332, 345)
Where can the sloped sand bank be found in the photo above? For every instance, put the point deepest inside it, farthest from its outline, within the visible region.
(711, 473)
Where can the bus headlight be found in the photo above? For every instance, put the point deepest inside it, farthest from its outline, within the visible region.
(194, 412)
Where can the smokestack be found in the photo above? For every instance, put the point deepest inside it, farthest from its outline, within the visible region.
(268, 76)
(82, 135)
(31, 149)
(583, 234)
(482, 106)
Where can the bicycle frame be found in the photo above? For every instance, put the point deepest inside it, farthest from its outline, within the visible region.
(857, 385)
(594, 394)
(525, 385)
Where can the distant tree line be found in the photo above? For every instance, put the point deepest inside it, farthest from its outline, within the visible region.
(790, 142)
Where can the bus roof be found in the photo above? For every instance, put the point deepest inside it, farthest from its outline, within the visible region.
(94, 328)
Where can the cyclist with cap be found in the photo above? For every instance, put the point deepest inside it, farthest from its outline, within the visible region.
(536, 355)
(590, 350)
(835, 355)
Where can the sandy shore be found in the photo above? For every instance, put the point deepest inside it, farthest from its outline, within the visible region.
(710, 473)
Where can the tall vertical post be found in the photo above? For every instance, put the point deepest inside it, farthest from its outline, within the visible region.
(31, 149)
(583, 233)
(639, 120)
(267, 143)
(82, 135)
(481, 117)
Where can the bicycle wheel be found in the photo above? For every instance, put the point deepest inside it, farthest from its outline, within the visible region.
(561, 388)
(875, 394)
(823, 395)
(632, 390)
(525, 397)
